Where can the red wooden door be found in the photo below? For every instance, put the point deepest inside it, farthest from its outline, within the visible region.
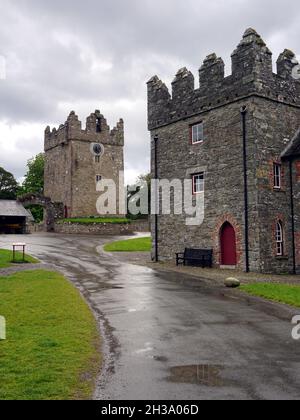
(228, 245)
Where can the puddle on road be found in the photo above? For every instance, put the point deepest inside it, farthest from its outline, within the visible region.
(207, 375)
(160, 359)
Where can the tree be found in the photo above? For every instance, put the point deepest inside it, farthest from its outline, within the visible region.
(34, 179)
(34, 183)
(146, 178)
(8, 185)
(134, 189)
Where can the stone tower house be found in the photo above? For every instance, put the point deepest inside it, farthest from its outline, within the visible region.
(76, 159)
(237, 139)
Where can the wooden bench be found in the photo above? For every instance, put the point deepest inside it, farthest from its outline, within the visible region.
(195, 257)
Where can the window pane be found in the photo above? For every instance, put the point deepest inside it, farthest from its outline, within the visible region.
(279, 232)
(200, 132)
(277, 175)
(279, 238)
(197, 133)
(194, 133)
(280, 249)
(198, 181)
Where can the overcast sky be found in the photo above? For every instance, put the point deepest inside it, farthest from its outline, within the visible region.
(64, 55)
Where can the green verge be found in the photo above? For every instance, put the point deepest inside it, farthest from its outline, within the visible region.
(283, 293)
(7, 256)
(97, 220)
(52, 346)
(131, 245)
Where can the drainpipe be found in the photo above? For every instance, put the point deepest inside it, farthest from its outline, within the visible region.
(246, 201)
(156, 198)
(292, 215)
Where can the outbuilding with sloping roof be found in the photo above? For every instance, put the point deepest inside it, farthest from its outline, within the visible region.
(14, 218)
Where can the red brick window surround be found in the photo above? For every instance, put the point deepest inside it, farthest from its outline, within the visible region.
(279, 239)
(197, 133)
(298, 170)
(277, 176)
(198, 183)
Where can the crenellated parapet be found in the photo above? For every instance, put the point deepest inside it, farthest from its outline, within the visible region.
(183, 84)
(159, 100)
(251, 58)
(285, 64)
(97, 130)
(212, 72)
(252, 74)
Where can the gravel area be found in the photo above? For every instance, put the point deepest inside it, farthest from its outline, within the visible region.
(212, 276)
(217, 276)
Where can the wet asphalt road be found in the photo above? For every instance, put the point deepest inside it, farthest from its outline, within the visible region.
(164, 339)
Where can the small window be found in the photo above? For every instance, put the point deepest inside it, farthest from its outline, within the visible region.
(198, 183)
(197, 134)
(97, 159)
(98, 125)
(277, 175)
(279, 239)
(98, 178)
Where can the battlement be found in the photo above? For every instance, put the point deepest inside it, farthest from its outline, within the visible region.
(97, 130)
(251, 74)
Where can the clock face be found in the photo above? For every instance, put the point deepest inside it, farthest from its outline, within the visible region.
(97, 149)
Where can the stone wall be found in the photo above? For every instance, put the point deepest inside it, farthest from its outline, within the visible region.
(52, 210)
(251, 74)
(71, 166)
(296, 166)
(37, 228)
(220, 156)
(273, 117)
(275, 126)
(107, 229)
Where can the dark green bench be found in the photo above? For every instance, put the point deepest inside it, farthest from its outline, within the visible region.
(195, 258)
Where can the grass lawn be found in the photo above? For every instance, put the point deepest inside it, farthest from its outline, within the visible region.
(7, 256)
(52, 346)
(283, 293)
(131, 245)
(96, 220)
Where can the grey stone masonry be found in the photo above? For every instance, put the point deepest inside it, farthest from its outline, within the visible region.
(72, 130)
(251, 74)
(73, 164)
(103, 229)
(272, 105)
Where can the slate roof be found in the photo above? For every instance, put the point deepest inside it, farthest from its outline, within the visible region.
(293, 148)
(13, 208)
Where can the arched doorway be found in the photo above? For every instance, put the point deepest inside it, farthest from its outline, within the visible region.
(53, 211)
(228, 245)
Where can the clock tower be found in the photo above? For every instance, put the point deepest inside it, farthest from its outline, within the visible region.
(76, 159)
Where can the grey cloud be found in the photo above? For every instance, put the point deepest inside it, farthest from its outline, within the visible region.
(64, 55)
